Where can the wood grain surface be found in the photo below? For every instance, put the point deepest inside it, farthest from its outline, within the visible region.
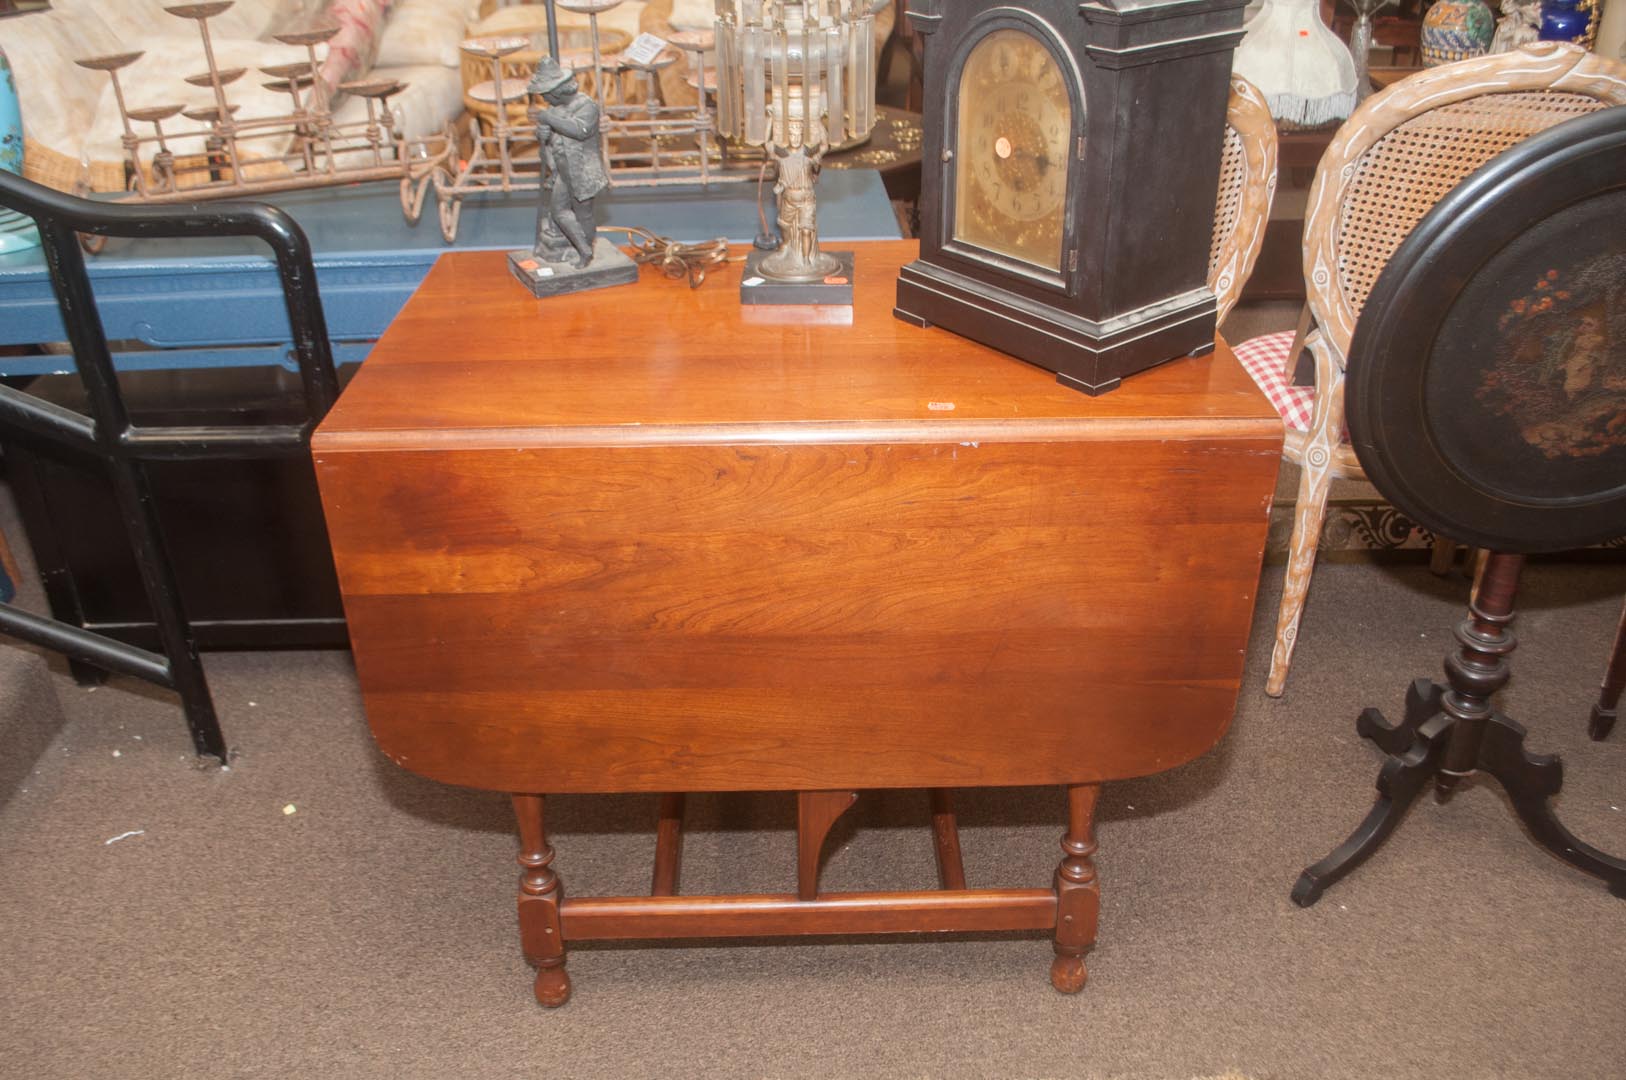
(474, 360)
(622, 542)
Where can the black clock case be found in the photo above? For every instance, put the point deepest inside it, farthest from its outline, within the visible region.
(1132, 292)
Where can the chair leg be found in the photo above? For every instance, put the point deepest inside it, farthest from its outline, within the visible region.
(1308, 515)
(1300, 333)
(1442, 556)
(1614, 680)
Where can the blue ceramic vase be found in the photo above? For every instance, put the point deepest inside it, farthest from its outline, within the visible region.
(16, 231)
(1456, 30)
(1574, 21)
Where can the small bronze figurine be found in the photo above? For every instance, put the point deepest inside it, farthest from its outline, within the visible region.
(568, 255)
(797, 272)
(572, 167)
(799, 257)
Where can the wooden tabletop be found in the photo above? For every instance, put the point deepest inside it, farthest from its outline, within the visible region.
(474, 360)
(629, 540)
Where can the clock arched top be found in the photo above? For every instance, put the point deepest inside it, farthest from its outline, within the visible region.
(1013, 18)
(1015, 107)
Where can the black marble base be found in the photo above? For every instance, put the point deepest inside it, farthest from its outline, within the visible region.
(609, 267)
(836, 289)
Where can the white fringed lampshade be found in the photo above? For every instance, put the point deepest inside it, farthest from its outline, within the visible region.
(1305, 72)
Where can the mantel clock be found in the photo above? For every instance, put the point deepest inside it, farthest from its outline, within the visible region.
(1070, 165)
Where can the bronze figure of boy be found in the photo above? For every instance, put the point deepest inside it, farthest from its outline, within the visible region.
(572, 167)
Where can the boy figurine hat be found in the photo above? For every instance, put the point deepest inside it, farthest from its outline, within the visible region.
(548, 77)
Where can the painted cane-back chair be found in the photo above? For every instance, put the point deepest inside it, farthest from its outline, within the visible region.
(1246, 189)
(1390, 162)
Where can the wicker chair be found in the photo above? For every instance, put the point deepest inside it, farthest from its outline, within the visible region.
(1391, 161)
(1247, 188)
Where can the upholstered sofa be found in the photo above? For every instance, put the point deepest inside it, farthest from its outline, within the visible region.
(71, 121)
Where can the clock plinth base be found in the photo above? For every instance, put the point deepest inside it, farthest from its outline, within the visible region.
(1092, 389)
(1085, 354)
(836, 289)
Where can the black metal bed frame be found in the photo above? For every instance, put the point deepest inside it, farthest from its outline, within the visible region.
(124, 448)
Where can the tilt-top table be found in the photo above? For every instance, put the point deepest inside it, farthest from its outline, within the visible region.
(648, 540)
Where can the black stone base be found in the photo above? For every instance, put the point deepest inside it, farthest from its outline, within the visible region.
(609, 267)
(837, 289)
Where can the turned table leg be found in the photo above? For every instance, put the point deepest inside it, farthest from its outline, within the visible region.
(539, 894)
(1078, 895)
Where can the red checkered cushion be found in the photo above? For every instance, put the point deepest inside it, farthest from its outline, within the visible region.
(1265, 359)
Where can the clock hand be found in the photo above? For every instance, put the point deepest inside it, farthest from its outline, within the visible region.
(1039, 159)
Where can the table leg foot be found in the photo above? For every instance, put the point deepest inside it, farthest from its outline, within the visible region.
(1403, 776)
(1067, 974)
(552, 986)
(1530, 781)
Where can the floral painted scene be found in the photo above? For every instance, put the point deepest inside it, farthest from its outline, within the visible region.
(1560, 371)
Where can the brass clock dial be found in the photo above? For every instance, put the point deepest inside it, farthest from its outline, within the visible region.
(1014, 133)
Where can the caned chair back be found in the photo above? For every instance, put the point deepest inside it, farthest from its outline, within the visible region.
(1246, 188)
(1405, 148)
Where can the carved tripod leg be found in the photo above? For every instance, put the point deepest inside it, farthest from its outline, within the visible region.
(816, 812)
(540, 892)
(1422, 701)
(1403, 776)
(1078, 894)
(1532, 779)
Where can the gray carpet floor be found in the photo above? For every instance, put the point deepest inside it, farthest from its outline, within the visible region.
(315, 911)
